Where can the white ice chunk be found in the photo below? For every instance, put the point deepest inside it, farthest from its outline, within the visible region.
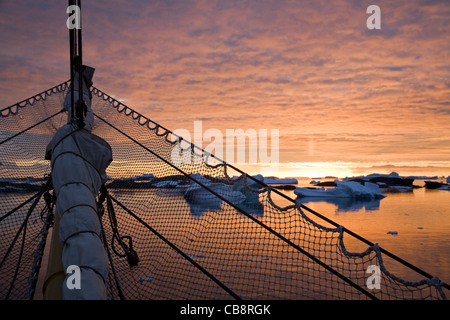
(344, 189)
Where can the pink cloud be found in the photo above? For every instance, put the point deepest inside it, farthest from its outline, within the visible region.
(313, 70)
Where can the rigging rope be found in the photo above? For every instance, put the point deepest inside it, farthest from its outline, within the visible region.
(362, 290)
(47, 218)
(146, 123)
(184, 255)
(287, 252)
(22, 230)
(166, 132)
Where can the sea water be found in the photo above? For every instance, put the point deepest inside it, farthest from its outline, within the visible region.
(413, 225)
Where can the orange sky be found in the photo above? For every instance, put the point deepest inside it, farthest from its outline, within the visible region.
(377, 100)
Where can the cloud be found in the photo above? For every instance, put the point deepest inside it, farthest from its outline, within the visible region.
(311, 69)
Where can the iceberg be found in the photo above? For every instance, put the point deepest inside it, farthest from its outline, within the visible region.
(143, 177)
(20, 184)
(437, 185)
(250, 195)
(250, 189)
(275, 180)
(392, 181)
(146, 279)
(344, 204)
(243, 193)
(166, 184)
(423, 177)
(196, 194)
(344, 189)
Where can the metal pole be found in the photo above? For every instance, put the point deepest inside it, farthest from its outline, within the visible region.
(80, 58)
(81, 112)
(72, 71)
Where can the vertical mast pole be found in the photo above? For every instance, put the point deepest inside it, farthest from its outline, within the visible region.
(53, 282)
(72, 71)
(80, 60)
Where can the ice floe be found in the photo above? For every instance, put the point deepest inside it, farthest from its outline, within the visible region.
(197, 194)
(275, 180)
(344, 189)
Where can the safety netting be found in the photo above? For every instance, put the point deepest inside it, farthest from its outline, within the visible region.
(178, 223)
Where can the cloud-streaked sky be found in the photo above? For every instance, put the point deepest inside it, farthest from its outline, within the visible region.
(337, 91)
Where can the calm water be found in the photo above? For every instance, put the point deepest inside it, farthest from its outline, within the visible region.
(421, 219)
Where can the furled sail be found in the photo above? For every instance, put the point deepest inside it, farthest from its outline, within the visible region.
(79, 160)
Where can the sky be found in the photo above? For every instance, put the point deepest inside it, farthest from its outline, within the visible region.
(346, 99)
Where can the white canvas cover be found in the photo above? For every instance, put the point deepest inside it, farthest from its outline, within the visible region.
(79, 160)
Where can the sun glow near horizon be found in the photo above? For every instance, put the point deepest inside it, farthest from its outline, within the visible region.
(346, 169)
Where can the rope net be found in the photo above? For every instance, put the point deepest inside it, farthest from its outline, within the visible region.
(201, 229)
